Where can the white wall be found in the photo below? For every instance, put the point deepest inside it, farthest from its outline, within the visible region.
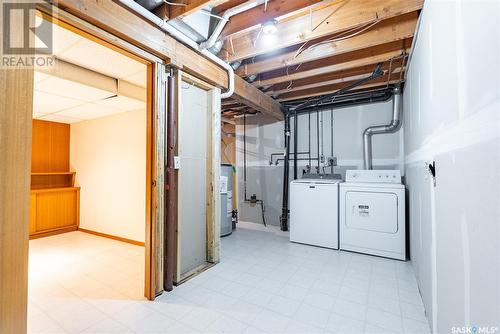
(264, 136)
(109, 157)
(451, 107)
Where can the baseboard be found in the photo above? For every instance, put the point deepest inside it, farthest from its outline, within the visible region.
(109, 236)
(51, 232)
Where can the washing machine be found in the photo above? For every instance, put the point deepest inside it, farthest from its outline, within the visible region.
(314, 212)
(372, 213)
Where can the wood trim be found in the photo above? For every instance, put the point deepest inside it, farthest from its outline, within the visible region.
(114, 237)
(150, 254)
(51, 232)
(16, 108)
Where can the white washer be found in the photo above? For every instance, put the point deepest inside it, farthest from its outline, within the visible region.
(314, 212)
(372, 213)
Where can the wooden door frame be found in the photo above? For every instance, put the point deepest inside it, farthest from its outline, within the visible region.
(98, 35)
(212, 171)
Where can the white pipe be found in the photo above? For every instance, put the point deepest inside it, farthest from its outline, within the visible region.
(225, 18)
(163, 25)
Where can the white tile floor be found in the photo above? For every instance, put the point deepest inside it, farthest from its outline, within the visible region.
(264, 284)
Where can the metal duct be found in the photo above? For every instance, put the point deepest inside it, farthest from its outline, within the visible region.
(392, 127)
(225, 18)
(149, 4)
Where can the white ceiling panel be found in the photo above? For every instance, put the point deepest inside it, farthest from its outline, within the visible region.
(89, 111)
(39, 76)
(59, 118)
(71, 89)
(138, 78)
(62, 38)
(94, 56)
(123, 103)
(44, 103)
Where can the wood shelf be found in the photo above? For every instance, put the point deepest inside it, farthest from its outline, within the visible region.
(47, 180)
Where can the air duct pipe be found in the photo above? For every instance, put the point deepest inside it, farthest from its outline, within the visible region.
(392, 127)
(225, 17)
(163, 25)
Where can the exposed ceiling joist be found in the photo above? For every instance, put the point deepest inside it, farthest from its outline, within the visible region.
(254, 17)
(333, 77)
(182, 8)
(341, 62)
(391, 30)
(121, 22)
(329, 89)
(344, 15)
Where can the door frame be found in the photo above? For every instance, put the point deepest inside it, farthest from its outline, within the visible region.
(212, 173)
(153, 240)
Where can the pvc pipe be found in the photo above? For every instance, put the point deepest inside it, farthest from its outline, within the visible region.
(392, 127)
(225, 18)
(163, 25)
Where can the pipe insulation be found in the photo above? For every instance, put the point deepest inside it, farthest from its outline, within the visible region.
(169, 29)
(392, 127)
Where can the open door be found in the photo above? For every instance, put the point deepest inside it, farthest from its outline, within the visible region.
(198, 163)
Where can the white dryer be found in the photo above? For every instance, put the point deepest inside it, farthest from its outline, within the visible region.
(314, 212)
(372, 213)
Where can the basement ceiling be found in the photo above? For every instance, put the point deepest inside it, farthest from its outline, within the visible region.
(67, 101)
(319, 47)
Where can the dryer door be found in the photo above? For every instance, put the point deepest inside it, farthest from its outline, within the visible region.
(372, 211)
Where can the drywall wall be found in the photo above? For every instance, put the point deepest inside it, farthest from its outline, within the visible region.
(451, 110)
(264, 137)
(109, 157)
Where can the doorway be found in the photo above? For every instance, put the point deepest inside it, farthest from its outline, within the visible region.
(91, 219)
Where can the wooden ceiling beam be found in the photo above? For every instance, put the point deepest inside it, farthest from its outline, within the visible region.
(256, 16)
(190, 7)
(333, 77)
(341, 62)
(121, 22)
(394, 29)
(330, 89)
(341, 17)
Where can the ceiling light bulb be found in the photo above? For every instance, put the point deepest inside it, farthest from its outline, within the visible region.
(269, 27)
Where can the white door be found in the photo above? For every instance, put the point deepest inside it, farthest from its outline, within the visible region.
(371, 211)
(193, 130)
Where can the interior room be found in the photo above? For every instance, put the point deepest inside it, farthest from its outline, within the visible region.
(88, 184)
(250, 166)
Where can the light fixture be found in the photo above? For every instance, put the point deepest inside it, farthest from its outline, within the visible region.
(269, 27)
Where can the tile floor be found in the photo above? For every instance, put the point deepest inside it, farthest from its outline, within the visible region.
(264, 284)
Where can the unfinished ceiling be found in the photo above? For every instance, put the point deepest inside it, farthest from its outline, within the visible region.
(89, 81)
(315, 47)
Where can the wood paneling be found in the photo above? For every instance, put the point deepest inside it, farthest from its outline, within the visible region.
(57, 208)
(50, 144)
(16, 107)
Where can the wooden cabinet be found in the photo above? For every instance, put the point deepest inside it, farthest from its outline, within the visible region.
(54, 210)
(54, 200)
(54, 204)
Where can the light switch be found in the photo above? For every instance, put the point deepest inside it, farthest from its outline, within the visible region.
(177, 162)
